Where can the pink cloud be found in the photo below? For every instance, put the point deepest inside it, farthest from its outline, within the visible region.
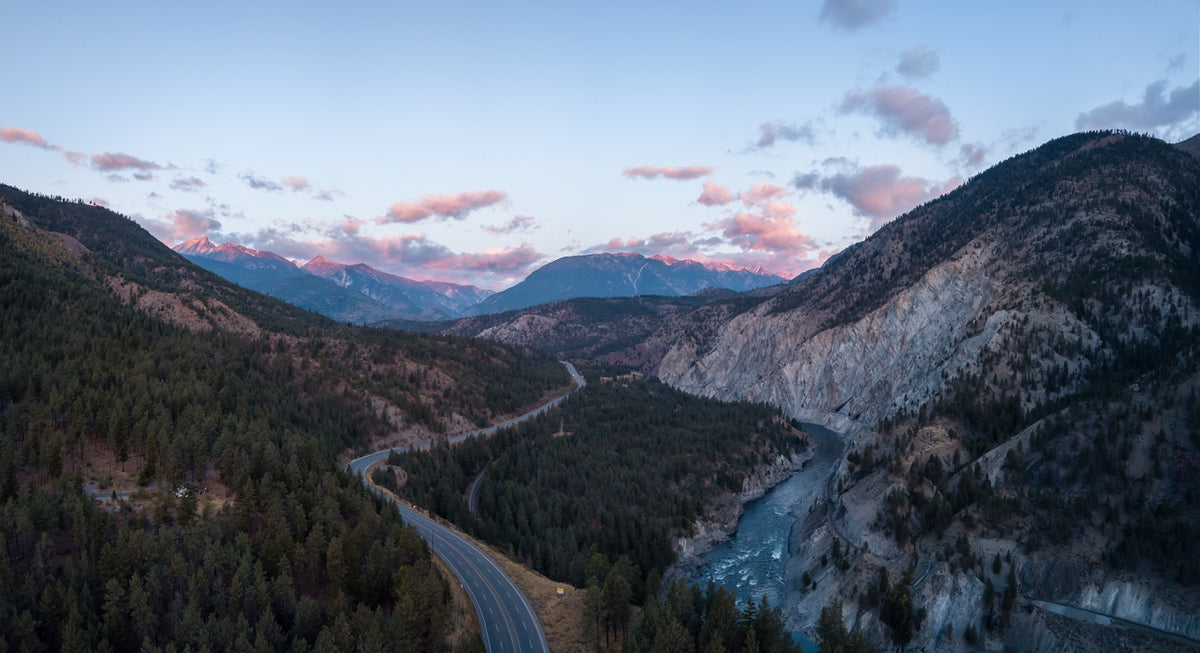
(683, 173)
(762, 193)
(109, 162)
(295, 183)
(182, 225)
(677, 244)
(24, 137)
(770, 229)
(75, 158)
(351, 225)
(714, 195)
(767, 230)
(455, 206)
(904, 110)
(881, 193)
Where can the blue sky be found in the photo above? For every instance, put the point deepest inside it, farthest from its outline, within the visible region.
(472, 142)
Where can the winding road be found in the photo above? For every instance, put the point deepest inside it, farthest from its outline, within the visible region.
(506, 619)
(360, 465)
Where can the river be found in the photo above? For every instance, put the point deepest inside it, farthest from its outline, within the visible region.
(752, 564)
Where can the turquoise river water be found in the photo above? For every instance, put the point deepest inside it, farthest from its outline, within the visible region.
(753, 563)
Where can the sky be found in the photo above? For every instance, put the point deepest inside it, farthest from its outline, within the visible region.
(473, 142)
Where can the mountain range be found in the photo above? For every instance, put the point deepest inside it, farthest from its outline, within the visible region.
(357, 294)
(361, 294)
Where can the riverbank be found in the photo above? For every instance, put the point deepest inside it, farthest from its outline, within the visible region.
(743, 543)
(723, 515)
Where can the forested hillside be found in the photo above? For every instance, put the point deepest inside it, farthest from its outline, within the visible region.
(124, 364)
(593, 493)
(617, 470)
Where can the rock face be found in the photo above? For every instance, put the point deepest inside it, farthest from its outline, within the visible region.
(1019, 295)
(972, 286)
(892, 358)
(9, 211)
(1140, 603)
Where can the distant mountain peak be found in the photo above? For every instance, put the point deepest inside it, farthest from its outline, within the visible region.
(202, 247)
(715, 266)
(621, 274)
(322, 266)
(196, 247)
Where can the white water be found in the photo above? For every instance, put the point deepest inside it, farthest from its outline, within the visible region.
(752, 564)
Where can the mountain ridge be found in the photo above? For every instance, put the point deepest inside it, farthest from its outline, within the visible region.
(623, 274)
(993, 332)
(355, 293)
(432, 300)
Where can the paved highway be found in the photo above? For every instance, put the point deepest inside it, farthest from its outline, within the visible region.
(507, 621)
(505, 616)
(359, 465)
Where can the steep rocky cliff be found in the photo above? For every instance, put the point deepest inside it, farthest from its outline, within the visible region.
(1028, 264)
(1019, 361)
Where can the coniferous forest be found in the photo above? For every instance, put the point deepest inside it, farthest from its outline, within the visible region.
(617, 470)
(295, 555)
(592, 494)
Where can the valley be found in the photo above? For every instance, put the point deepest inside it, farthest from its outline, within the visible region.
(758, 559)
(1009, 375)
(1003, 400)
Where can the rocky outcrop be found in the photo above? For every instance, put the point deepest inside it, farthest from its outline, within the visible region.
(896, 357)
(1141, 603)
(10, 212)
